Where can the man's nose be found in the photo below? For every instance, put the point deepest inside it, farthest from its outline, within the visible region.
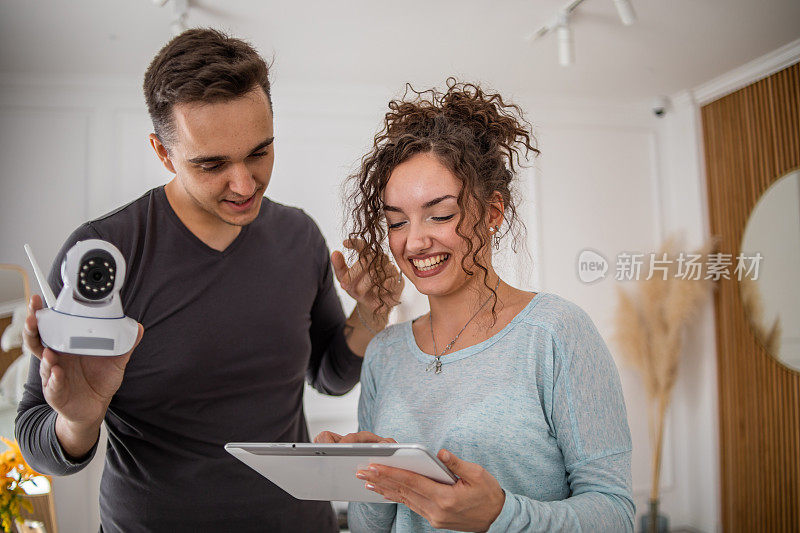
(241, 180)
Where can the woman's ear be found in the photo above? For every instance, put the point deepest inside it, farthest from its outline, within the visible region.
(496, 211)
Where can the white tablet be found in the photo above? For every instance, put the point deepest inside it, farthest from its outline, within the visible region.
(328, 471)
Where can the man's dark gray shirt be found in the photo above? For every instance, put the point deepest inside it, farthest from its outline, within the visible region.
(229, 339)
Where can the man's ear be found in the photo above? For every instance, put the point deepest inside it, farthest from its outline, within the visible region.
(496, 210)
(161, 152)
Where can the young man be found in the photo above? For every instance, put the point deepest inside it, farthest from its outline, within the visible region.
(235, 298)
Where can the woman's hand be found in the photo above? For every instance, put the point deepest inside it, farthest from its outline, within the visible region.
(472, 504)
(329, 437)
(357, 282)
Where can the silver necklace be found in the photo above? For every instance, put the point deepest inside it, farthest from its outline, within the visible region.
(437, 363)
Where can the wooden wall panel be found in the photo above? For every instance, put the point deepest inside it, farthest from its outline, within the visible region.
(752, 138)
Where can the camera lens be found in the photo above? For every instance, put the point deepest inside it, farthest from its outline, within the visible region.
(96, 274)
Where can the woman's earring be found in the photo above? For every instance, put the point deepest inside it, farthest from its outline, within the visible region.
(496, 237)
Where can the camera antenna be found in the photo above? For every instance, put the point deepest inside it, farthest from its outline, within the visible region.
(49, 297)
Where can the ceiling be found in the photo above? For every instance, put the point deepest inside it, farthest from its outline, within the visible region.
(675, 45)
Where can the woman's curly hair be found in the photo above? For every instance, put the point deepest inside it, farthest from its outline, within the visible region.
(477, 136)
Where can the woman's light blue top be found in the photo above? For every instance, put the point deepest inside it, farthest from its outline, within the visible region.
(539, 405)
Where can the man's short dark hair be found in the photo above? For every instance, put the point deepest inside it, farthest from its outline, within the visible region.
(200, 65)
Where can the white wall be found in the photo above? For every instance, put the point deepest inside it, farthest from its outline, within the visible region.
(74, 149)
(695, 422)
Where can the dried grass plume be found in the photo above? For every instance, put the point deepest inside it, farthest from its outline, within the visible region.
(651, 323)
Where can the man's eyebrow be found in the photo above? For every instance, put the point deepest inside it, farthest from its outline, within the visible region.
(426, 205)
(213, 158)
(262, 145)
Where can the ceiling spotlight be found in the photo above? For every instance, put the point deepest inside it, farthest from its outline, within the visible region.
(566, 52)
(625, 10)
(560, 25)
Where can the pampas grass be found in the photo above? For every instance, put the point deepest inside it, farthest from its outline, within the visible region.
(651, 324)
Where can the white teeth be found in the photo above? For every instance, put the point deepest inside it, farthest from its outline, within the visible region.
(429, 262)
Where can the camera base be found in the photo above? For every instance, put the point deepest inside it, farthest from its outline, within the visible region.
(80, 335)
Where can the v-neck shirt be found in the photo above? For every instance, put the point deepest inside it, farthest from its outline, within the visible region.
(230, 338)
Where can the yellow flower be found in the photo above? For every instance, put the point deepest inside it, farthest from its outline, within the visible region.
(13, 471)
(13, 459)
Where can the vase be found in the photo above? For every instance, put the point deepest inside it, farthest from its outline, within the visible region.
(652, 522)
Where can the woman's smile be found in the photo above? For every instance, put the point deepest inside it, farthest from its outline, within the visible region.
(429, 265)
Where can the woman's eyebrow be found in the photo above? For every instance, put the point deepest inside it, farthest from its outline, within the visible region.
(437, 200)
(426, 205)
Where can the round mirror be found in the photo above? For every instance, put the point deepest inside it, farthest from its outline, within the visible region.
(771, 293)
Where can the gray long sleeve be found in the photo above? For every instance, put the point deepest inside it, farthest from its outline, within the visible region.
(230, 338)
(539, 405)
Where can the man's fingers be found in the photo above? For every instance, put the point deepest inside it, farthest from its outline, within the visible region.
(30, 328)
(30, 337)
(48, 363)
(55, 383)
(139, 336)
(44, 371)
(361, 436)
(327, 437)
(121, 361)
(364, 436)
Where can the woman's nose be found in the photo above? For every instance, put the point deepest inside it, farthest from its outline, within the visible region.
(418, 239)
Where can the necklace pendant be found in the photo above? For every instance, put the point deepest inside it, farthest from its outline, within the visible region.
(436, 366)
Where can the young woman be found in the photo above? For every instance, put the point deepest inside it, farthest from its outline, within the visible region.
(516, 390)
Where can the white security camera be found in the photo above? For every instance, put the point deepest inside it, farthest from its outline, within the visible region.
(87, 317)
(660, 106)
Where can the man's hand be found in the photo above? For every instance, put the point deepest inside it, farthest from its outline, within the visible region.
(78, 387)
(329, 437)
(472, 504)
(357, 282)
